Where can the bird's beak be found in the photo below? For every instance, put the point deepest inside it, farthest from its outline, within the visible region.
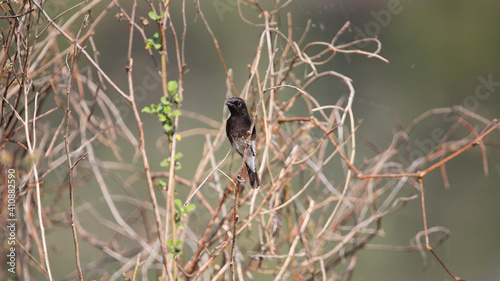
(227, 103)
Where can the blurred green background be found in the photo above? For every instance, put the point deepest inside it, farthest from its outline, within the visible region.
(439, 52)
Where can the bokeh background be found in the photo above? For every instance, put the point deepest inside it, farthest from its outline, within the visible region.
(439, 52)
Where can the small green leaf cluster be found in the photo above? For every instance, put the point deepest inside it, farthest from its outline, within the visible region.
(166, 109)
(154, 41)
(154, 16)
(177, 163)
(161, 185)
(175, 249)
(182, 212)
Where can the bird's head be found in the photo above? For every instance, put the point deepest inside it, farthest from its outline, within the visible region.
(236, 106)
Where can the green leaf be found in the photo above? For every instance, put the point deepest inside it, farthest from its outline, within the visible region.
(176, 98)
(178, 244)
(172, 86)
(147, 110)
(178, 203)
(157, 46)
(176, 112)
(165, 163)
(190, 207)
(161, 183)
(170, 244)
(165, 100)
(178, 155)
(152, 15)
(167, 128)
(170, 256)
(156, 36)
(181, 226)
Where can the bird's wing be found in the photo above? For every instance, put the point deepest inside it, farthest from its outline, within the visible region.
(250, 161)
(252, 148)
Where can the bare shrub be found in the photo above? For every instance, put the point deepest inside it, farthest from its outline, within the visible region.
(315, 209)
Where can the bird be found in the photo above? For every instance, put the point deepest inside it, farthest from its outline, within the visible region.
(237, 131)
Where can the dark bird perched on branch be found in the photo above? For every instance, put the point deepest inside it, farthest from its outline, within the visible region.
(237, 130)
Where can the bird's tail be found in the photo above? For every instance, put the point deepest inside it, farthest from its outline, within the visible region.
(254, 178)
